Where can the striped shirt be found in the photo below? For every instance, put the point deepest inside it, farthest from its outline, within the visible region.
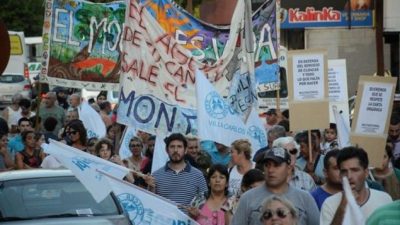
(386, 215)
(180, 187)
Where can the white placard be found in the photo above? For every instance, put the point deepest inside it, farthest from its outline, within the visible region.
(374, 108)
(308, 77)
(337, 80)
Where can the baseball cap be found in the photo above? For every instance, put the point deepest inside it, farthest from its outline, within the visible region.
(271, 112)
(278, 155)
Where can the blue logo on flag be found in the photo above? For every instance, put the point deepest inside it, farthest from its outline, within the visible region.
(133, 207)
(256, 133)
(216, 106)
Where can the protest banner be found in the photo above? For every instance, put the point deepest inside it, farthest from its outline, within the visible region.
(85, 166)
(160, 155)
(92, 121)
(81, 44)
(268, 99)
(124, 149)
(160, 59)
(218, 122)
(145, 207)
(371, 115)
(308, 89)
(338, 94)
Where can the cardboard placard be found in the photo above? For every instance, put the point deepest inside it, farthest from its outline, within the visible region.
(371, 115)
(338, 95)
(308, 89)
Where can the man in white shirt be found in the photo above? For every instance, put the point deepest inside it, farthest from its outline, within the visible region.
(353, 163)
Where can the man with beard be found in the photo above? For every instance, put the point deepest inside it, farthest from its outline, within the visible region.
(178, 181)
(333, 183)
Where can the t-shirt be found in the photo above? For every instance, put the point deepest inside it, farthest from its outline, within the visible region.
(180, 187)
(235, 181)
(250, 206)
(376, 199)
(319, 196)
(386, 215)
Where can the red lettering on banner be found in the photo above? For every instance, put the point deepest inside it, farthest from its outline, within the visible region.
(171, 88)
(139, 69)
(179, 71)
(165, 40)
(134, 11)
(132, 36)
(177, 54)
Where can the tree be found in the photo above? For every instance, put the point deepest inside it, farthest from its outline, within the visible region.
(24, 16)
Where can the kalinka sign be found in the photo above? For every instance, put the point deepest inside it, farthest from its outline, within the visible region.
(335, 13)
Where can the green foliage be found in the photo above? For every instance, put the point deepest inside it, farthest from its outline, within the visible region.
(23, 15)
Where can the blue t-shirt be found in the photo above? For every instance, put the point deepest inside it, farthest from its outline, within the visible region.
(319, 196)
(15, 144)
(216, 157)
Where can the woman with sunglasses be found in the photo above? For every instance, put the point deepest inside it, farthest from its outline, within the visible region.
(298, 178)
(75, 135)
(30, 157)
(206, 208)
(137, 161)
(277, 210)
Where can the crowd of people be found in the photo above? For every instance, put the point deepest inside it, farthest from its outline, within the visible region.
(296, 179)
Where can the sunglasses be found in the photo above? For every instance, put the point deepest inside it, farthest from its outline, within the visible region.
(74, 132)
(281, 213)
(293, 151)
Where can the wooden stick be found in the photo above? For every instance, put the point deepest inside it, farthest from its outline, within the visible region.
(309, 146)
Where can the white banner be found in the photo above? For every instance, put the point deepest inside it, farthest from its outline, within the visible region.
(124, 150)
(92, 121)
(85, 167)
(144, 207)
(353, 214)
(218, 122)
(343, 130)
(160, 155)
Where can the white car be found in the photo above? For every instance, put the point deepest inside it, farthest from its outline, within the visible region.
(53, 197)
(12, 83)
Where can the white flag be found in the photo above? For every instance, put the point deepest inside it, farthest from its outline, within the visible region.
(217, 121)
(343, 131)
(92, 121)
(85, 167)
(144, 207)
(125, 150)
(160, 155)
(353, 214)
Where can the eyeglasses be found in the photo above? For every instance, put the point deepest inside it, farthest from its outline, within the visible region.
(73, 132)
(293, 151)
(135, 146)
(281, 213)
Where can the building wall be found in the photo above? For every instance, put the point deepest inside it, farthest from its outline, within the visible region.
(357, 46)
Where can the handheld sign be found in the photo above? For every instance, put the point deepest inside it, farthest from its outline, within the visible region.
(372, 112)
(308, 89)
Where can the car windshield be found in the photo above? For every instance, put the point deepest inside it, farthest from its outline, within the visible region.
(50, 197)
(11, 78)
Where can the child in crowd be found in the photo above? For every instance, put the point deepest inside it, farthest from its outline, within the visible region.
(330, 138)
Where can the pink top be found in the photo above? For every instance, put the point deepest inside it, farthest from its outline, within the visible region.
(208, 217)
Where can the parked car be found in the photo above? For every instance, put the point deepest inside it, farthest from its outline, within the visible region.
(12, 83)
(53, 197)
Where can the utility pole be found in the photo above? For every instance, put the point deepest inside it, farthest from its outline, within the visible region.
(379, 37)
